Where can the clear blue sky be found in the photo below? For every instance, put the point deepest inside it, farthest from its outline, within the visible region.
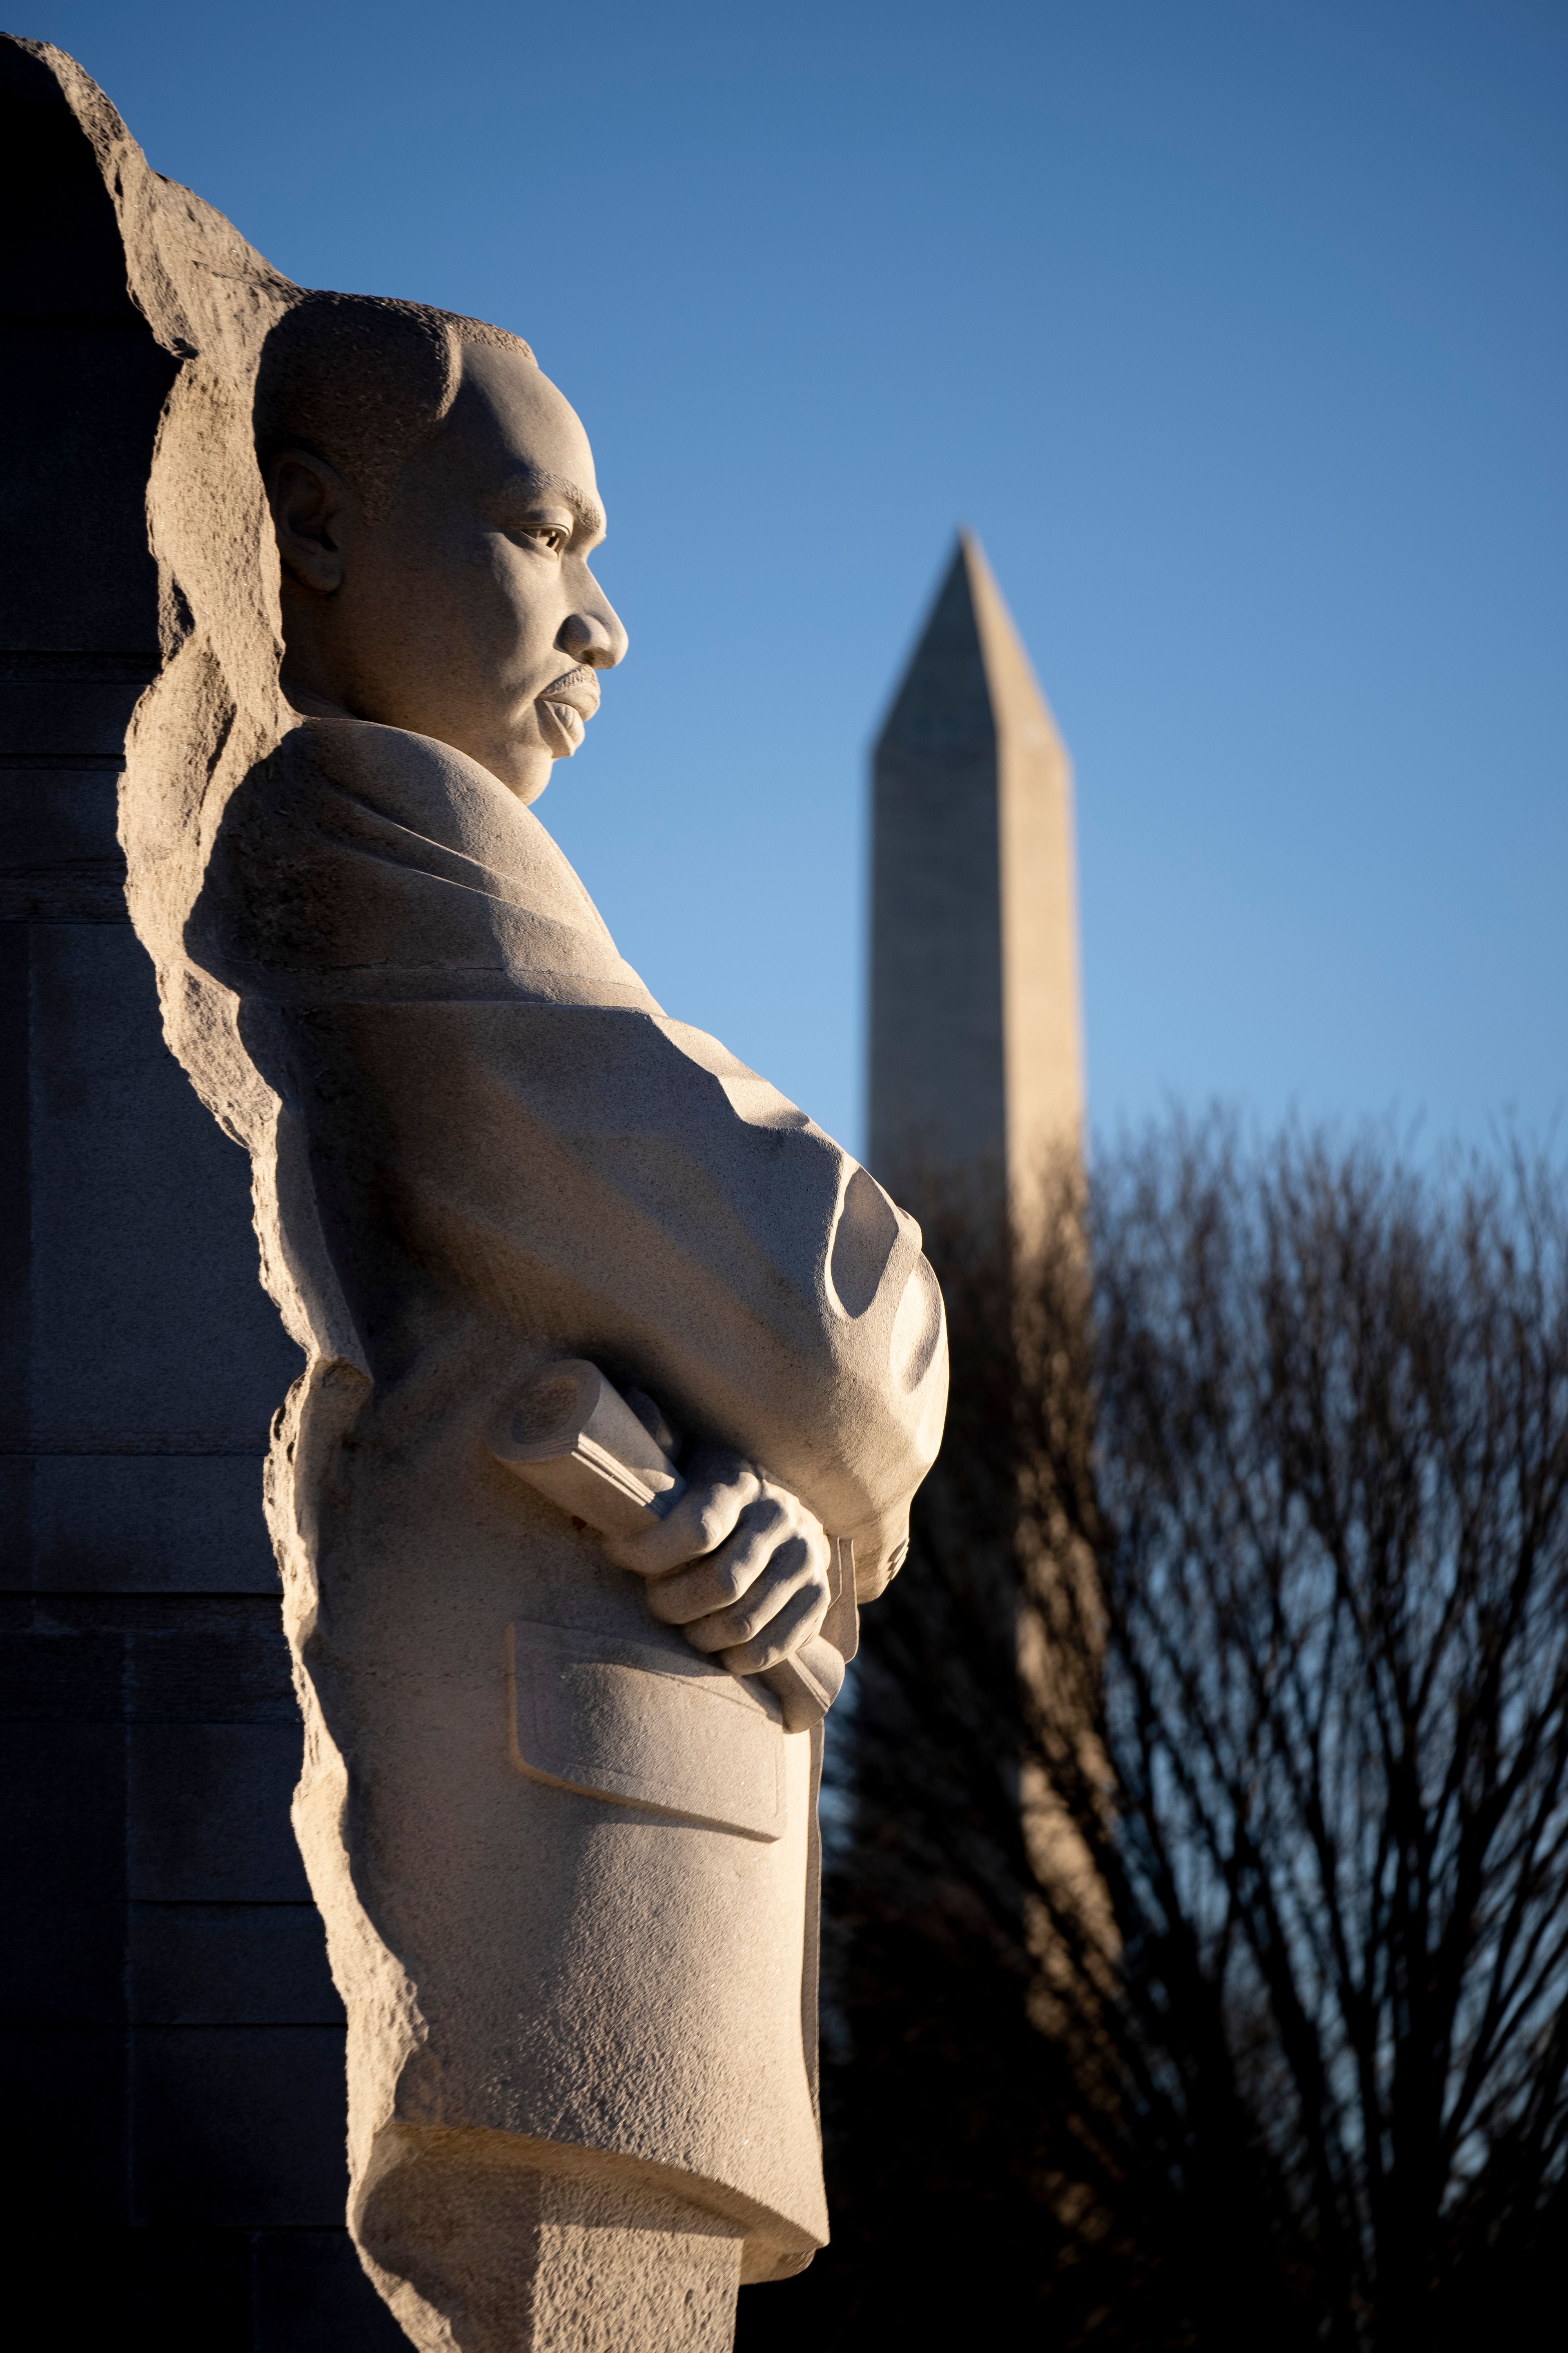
(1236, 329)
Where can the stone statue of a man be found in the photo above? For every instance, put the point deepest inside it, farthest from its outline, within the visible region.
(563, 1842)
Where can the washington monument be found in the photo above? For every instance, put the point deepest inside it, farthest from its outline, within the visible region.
(976, 1051)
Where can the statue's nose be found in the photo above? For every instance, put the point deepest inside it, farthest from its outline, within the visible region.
(595, 639)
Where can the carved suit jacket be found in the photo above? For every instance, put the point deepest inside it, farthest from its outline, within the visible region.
(567, 1866)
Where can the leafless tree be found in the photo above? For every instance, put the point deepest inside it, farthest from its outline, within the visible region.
(1199, 1936)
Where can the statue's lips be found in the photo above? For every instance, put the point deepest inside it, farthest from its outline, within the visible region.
(566, 708)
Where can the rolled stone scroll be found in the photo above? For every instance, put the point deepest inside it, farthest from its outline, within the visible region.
(575, 1438)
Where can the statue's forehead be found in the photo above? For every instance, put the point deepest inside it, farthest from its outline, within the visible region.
(526, 421)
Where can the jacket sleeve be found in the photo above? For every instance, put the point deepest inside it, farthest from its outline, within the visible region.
(497, 1116)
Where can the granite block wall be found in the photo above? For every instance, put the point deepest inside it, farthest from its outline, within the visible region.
(173, 2045)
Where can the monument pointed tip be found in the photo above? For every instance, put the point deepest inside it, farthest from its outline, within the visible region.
(968, 553)
(969, 673)
(943, 682)
(977, 1058)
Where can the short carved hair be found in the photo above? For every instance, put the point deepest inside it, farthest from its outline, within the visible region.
(362, 382)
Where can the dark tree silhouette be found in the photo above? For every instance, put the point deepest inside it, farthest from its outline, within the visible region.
(1199, 1938)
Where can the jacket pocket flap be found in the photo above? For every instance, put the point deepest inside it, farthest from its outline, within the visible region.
(626, 1721)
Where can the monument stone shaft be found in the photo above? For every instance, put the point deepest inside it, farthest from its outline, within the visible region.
(173, 2043)
(977, 1058)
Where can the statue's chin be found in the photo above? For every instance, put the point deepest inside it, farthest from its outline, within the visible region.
(526, 773)
(523, 768)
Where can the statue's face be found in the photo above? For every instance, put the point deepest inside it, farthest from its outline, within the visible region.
(466, 611)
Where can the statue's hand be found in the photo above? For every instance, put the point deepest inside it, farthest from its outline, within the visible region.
(740, 1563)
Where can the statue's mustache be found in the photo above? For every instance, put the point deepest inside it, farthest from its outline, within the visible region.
(578, 689)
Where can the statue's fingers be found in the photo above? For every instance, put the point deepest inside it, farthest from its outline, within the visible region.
(790, 1570)
(795, 1623)
(719, 1582)
(706, 1514)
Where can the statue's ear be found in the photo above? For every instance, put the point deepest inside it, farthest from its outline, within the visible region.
(310, 503)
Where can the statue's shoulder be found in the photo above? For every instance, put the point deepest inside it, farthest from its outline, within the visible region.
(361, 857)
(414, 781)
(392, 759)
(408, 796)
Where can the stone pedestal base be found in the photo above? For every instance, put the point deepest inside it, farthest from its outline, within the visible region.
(479, 2257)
